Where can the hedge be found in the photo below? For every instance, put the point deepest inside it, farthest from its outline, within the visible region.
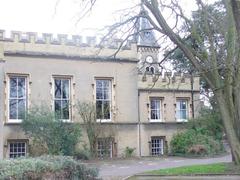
(45, 167)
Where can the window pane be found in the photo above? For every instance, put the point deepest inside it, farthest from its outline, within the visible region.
(21, 108)
(13, 87)
(99, 94)
(65, 109)
(152, 104)
(183, 114)
(57, 108)
(13, 109)
(157, 104)
(106, 94)
(157, 114)
(57, 88)
(98, 84)
(65, 89)
(153, 116)
(183, 105)
(99, 109)
(106, 83)
(106, 110)
(21, 87)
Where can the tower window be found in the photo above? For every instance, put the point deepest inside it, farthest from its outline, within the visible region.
(152, 70)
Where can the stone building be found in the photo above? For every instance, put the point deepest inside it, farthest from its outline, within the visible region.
(143, 107)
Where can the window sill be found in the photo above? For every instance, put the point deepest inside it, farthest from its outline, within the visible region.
(155, 120)
(182, 120)
(18, 121)
(66, 120)
(104, 120)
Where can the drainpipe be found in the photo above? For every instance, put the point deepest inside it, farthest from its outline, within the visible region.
(1, 107)
(192, 93)
(2, 64)
(139, 128)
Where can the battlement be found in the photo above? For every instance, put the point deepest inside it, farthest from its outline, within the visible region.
(65, 45)
(168, 81)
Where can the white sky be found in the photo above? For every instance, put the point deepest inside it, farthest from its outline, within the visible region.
(39, 16)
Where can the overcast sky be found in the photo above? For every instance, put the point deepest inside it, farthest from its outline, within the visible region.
(40, 15)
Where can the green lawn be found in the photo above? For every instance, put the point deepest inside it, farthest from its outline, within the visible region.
(218, 168)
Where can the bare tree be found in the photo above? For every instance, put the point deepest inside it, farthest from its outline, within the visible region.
(95, 129)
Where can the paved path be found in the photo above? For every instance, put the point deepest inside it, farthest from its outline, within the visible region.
(120, 169)
(232, 177)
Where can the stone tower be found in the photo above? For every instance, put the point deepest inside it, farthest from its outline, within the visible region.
(147, 46)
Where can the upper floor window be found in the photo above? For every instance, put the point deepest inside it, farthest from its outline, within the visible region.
(17, 98)
(103, 99)
(62, 98)
(182, 110)
(155, 109)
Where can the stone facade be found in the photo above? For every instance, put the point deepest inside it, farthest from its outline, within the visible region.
(41, 60)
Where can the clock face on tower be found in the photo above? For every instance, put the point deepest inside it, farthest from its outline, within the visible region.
(149, 59)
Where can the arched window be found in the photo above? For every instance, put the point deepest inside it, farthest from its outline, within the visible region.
(152, 70)
(147, 69)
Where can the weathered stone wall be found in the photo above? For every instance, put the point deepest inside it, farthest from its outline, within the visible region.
(41, 58)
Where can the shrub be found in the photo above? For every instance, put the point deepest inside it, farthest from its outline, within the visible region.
(82, 155)
(45, 167)
(203, 136)
(191, 142)
(129, 152)
(208, 123)
(181, 141)
(58, 136)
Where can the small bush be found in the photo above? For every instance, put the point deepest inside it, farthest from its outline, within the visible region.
(129, 152)
(45, 167)
(82, 155)
(44, 127)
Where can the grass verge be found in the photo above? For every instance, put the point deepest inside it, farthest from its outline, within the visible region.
(218, 168)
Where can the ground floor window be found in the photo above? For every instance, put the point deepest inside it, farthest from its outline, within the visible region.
(157, 144)
(105, 147)
(17, 149)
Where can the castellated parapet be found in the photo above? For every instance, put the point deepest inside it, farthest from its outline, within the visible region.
(31, 43)
(168, 81)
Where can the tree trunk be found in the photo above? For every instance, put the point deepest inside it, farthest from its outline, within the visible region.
(229, 127)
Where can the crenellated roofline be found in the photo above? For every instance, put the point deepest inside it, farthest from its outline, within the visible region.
(64, 45)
